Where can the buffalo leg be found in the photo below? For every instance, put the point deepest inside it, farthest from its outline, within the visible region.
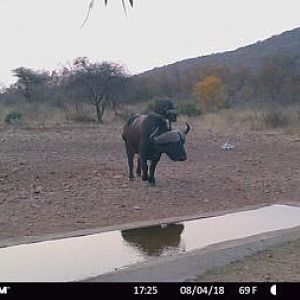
(130, 156)
(144, 168)
(152, 170)
(138, 167)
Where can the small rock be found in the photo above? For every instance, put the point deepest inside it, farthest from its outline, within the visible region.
(227, 146)
(137, 207)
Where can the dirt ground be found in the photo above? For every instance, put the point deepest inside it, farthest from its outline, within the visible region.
(280, 263)
(70, 176)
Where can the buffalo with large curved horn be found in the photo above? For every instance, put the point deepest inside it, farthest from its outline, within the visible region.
(149, 136)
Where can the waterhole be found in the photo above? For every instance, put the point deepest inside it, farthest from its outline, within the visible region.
(77, 258)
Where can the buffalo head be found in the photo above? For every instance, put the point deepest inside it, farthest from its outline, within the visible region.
(171, 142)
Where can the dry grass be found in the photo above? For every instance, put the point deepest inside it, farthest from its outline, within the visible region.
(83, 115)
(286, 119)
(33, 113)
(272, 117)
(277, 117)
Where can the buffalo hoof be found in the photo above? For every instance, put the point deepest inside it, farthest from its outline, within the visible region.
(144, 177)
(152, 182)
(130, 177)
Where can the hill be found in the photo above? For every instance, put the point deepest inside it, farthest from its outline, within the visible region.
(251, 56)
(266, 62)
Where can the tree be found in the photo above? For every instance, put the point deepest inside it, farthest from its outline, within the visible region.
(99, 83)
(275, 80)
(118, 93)
(29, 81)
(210, 93)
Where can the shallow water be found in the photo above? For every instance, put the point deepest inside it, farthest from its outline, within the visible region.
(82, 257)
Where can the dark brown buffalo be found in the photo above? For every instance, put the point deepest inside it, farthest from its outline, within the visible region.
(149, 136)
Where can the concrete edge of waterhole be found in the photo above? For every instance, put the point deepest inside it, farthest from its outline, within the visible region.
(185, 267)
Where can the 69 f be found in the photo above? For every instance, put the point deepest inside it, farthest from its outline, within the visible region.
(247, 290)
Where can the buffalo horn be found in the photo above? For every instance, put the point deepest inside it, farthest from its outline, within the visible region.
(188, 127)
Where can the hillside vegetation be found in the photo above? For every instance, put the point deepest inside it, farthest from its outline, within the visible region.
(265, 71)
(264, 77)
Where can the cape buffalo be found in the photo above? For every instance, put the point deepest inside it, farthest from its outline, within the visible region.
(149, 136)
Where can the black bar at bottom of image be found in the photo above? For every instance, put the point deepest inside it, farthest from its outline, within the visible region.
(152, 290)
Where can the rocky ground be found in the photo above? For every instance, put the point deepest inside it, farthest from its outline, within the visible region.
(69, 176)
(280, 263)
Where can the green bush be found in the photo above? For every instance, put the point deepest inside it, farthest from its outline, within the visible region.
(189, 109)
(151, 106)
(13, 118)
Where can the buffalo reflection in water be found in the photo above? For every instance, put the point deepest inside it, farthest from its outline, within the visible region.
(154, 240)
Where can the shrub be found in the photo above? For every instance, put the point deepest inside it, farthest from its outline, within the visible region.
(13, 118)
(159, 105)
(274, 118)
(150, 107)
(125, 114)
(79, 117)
(189, 109)
(210, 93)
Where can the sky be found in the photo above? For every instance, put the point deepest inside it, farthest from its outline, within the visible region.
(45, 35)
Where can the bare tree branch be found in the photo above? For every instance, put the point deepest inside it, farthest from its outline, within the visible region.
(124, 7)
(91, 5)
(89, 11)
